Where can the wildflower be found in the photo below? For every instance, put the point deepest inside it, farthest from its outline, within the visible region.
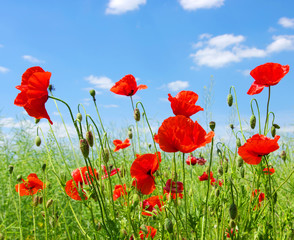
(143, 169)
(266, 75)
(156, 139)
(256, 147)
(112, 172)
(204, 177)
(150, 231)
(119, 191)
(232, 233)
(260, 195)
(83, 171)
(180, 133)
(74, 189)
(270, 171)
(34, 93)
(30, 186)
(184, 103)
(149, 205)
(121, 145)
(191, 160)
(127, 86)
(173, 187)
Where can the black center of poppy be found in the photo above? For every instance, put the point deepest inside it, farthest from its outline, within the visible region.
(131, 93)
(149, 172)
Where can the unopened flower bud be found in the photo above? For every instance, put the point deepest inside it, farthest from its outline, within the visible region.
(276, 126)
(220, 170)
(219, 152)
(240, 161)
(230, 99)
(225, 166)
(137, 114)
(40, 200)
(242, 172)
(90, 138)
(212, 125)
(168, 225)
(92, 92)
(233, 211)
(106, 155)
(49, 203)
(35, 201)
(130, 134)
(44, 167)
(38, 141)
(19, 178)
(283, 155)
(37, 120)
(84, 146)
(238, 142)
(273, 131)
(10, 169)
(217, 192)
(79, 117)
(232, 224)
(50, 87)
(252, 121)
(232, 126)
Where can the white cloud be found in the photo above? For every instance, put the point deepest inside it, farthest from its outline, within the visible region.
(100, 82)
(3, 69)
(122, 6)
(177, 85)
(286, 22)
(32, 59)
(197, 4)
(245, 72)
(1, 46)
(110, 106)
(219, 51)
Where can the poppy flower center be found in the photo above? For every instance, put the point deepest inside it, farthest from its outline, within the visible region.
(131, 93)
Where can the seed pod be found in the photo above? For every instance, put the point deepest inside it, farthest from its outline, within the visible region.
(10, 169)
(232, 126)
(233, 211)
(230, 99)
(273, 131)
(137, 114)
(49, 203)
(106, 155)
(19, 178)
(37, 120)
(242, 172)
(44, 167)
(90, 138)
(283, 155)
(252, 121)
(35, 201)
(168, 225)
(225, 166)
(38, 141)
(92, 92)
(240, 161)
(40, 200)
(238, 142)
(130, 134)
(79, 117)
(232, 224)
(212, 125)
(220, 170)
(84, 146)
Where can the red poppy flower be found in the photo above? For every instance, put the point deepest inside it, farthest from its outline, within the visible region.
(119, 191)
(73, 188)
(112, 172)
(204, 177)
(232, 232)
(173, 187)
(150, 231)
(180, 133)
(77, 177)
(265, 75)
(121, 145)
(143, 169)
(30, 186)
(191, 160)
(34, 94)
(271, 171)
(256, 147)
(149, 205)
(184, 103)
(127, 86)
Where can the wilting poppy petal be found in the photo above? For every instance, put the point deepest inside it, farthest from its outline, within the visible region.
(256, 147)
(30, 186)
(149, 205)
(71, 189)
(121, 145)
(119, 191)
(112, 172)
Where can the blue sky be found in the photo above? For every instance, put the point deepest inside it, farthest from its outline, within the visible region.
(169, 45)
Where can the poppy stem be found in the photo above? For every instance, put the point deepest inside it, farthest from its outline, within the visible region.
(176, 202)
(185, 193)
(34, 221)
(99, 115)
(267, 110)
(19, 208)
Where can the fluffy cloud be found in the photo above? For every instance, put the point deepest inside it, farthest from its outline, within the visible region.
(1, 46)
(32, 59)
(122, 6)
(197, 4)
(3, 69)
(110, 106)
(219, 51)
(286, 22)
(177, 86)
(100, 82)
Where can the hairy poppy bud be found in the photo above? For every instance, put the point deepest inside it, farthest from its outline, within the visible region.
(232, 126)
(225, 166)
(137, 114)
(220, 170)
(276, 126)
(212, 125)
(79, 117)
(84, 146)
(242, 172)
(49, 203)
(44, 167)
(168, 224)
(40, 200)
(37, 120)
(217, 192)
(50, 87)
(238, 142)
(90, 138)
(106, 155)
(10, 169)
(35, 201)
(19, 178)
(92, 92)
(273, 131)
(252, 121)
(130, 134)
(233, 211)
(232, 224)
(38, 141)
(219, 152)
(230, 99)
(240, 161)
(283, 155)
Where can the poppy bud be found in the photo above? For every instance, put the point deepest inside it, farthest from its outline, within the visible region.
(40, 200)
(232, 224)
(149, 145)
(10, 169)
(252, 121)
(130, 134)
(35, 201)
(44, 167)
(106, 155)
(220, 170)
(273, 131)
(90, 138)
(49, 203)
(217, 192)
(19, 178)
(283, 155)
(38, 141)
(238, 142)
(168, 224)
(50, 87)
(92, 92)
(240, 161)
(226, 166)
(219, 152)
(137, 114)
(212, 125)
(242, 172)
(232, 126)
(233, 211)
(84, 146)
(79, 117)
(37, 120)
(230, 99)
